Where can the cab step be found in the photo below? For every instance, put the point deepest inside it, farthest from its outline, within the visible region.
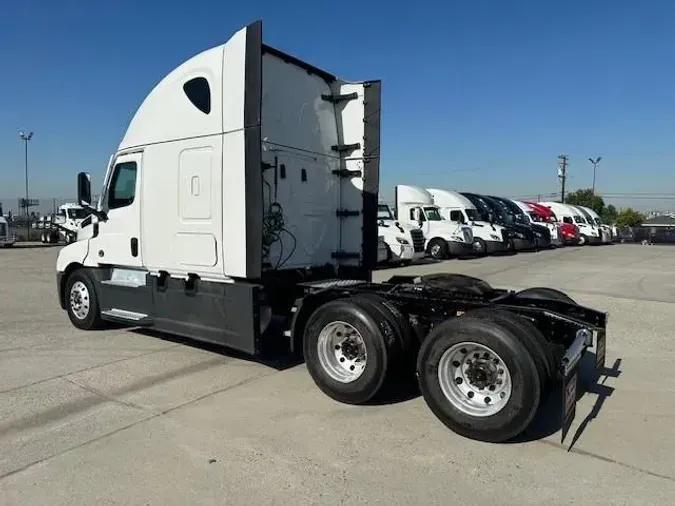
(125, 316)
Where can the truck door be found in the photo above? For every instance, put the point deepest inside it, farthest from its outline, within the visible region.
(119, 238)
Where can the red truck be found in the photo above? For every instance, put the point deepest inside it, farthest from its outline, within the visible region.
(569, 232)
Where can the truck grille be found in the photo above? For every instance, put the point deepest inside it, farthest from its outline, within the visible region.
(418, 240)
(505, 235)
(3, 230)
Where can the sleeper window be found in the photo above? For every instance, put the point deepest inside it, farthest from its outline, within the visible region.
(122, 185)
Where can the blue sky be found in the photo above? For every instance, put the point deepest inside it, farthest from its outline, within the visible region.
(479, 95)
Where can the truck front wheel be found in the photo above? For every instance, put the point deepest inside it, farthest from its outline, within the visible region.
(479, 378)
(438, 249)
(346, 346)
(81, 302)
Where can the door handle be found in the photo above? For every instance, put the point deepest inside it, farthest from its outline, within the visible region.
(134, 247)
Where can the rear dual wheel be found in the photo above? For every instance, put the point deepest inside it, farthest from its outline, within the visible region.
(481, 376)
(352, 345)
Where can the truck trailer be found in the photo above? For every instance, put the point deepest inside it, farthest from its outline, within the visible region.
(245, 187)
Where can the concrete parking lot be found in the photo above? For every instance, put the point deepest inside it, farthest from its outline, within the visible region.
(122, 417)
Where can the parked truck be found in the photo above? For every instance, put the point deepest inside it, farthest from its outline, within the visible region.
(7, 236)
(443, 238)
(404, 243)
(246, 187)
(62, 225)
(488, 238)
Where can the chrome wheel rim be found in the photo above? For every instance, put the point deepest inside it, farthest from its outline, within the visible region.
(342, 352)
(474, 379)
(79, 300)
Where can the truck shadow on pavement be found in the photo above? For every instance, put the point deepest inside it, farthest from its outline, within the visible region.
(548, 419)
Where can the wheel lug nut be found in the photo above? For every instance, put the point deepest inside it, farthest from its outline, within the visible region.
(351, 367)
(342, 359)
(470, 394)
(492, 388)
(500, 371)
(337, 346)
(502, 394)
(488, 400)
(456, 364)
(476, 355)
(463, 350)
(486, 355)
(495, 361)
(459, 381)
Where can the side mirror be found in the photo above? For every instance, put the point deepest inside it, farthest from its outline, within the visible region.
(84, 189)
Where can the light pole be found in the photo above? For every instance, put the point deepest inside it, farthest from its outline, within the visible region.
(25, 137)
(595, 165)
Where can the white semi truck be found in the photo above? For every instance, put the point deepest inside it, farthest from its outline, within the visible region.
(443, 238)
(404, 243)
(62, 225)
(488, 238)
(246, 187)
(7, 236)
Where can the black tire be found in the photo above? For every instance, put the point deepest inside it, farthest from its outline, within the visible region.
(456, 282)
(407, 343)
(481, 250)
(379, 337)
(438, 249)
(533, 339)
(545, 293)
(92, 320)
(521, 406)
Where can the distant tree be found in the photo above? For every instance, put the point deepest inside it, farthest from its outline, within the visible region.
(629, 218)
(586, 198)
(609, 214)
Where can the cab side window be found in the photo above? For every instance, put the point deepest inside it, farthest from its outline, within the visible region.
(567, 219)
(122, 185)
(456, 216)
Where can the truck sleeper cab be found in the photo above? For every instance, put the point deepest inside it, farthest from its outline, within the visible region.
(213, 219)
(604, 235)
(588, 234)
(609, 234)
(520, 237)
(569, 232)
(538, 219)
(488, 238)
(443, 238)
(405, 243)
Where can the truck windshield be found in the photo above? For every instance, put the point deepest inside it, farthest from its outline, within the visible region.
(384, 213)
(432, 214)
(472, 215)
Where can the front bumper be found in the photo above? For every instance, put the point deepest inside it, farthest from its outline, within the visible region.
(7, 241)
(492, 247)
(593, 239)
(460, 249)
(522, 244)
(402, 252)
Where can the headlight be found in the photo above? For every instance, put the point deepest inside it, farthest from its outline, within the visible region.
(495, 237)
(401, 240)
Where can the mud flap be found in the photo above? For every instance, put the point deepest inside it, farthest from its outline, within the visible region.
(570, 370)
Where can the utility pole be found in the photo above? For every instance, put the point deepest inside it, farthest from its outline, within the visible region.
(25, 137)
(562, 175)
(595, 165)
